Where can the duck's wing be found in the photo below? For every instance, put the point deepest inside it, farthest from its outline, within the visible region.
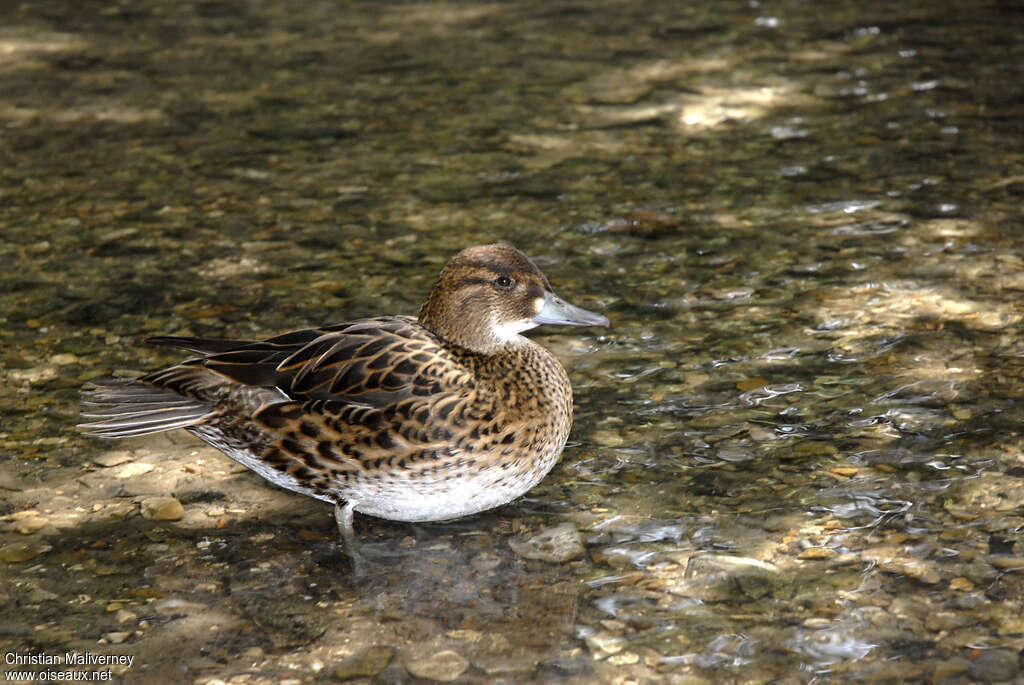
(365, 364)
(370, 362)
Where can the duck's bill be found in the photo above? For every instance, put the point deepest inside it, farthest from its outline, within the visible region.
(558, 311)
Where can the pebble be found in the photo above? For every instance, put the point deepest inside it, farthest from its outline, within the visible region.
(114, 511)
(112, 458)
(921, 570)
(445, 666)
(367, 663)
(22, 551)
(117, 637)
(1005, 562)
(124, 616)
(604, 643)
(134, 469)
(162, 509)
(624, 659)
(961, 583)
(506, 662)
(556, 544)
(943, 620)
(719, 577)
(253, 653)
(40, 595)
(813, 448)
(995, 666)
(8, 481)
(485, 561)
(949, 668)
(817, 553)
(607, 438)
(32, 524)
(751, 384)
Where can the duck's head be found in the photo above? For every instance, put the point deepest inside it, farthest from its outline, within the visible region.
(487, 295)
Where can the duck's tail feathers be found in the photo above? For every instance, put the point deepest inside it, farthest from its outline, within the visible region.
(126, 408)
(203, 346)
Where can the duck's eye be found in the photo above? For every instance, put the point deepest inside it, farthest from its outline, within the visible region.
(504, 283)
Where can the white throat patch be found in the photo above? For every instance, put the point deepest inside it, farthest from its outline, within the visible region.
(510, 330)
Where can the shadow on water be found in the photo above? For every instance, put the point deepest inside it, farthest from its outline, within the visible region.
(229, 595)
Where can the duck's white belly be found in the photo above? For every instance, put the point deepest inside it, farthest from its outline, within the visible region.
(398, 499)
(403, 497)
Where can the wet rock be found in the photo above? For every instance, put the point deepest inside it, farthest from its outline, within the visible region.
(691, 679)
(624, 659)
(518, 661)
(22, 551)
(556, 544)
(117, 637)
(27, 522)
(253, 653)
(113, 458)
(717, 577)
(485, 561)
(113, 511)
(619, 556)
(962, 584)
(812, 553)
(134, 469)
(444, 666)
(645, 223)
(921, 570)
(605, 643)
(368, 663)
(40, 595)
(607, 438)
(995, 666)
(30, 525)
(943, 620)
(125, 616)
(813, 448)
(1005, 562)
(968, 602)
(979, 572)
(949, 668)
(1011, 625)
(162, 509)
(8, 481)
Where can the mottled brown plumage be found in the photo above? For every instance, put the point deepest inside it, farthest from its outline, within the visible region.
(405, 419)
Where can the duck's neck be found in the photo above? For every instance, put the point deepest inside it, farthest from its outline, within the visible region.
(451, 327)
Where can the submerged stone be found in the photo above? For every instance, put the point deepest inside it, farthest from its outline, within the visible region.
(555, 544)
(162, 509)
(368, 663)
(445, 666)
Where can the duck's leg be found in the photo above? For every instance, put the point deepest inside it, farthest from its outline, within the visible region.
(343, 513)
(343, 516)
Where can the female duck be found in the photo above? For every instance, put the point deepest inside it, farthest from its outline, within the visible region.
(406, 419)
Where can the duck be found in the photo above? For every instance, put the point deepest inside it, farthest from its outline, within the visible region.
(432, 418)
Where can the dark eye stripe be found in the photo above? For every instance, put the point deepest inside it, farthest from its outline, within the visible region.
(474, 281)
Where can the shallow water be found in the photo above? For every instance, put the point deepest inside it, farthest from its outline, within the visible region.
(796, 454)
